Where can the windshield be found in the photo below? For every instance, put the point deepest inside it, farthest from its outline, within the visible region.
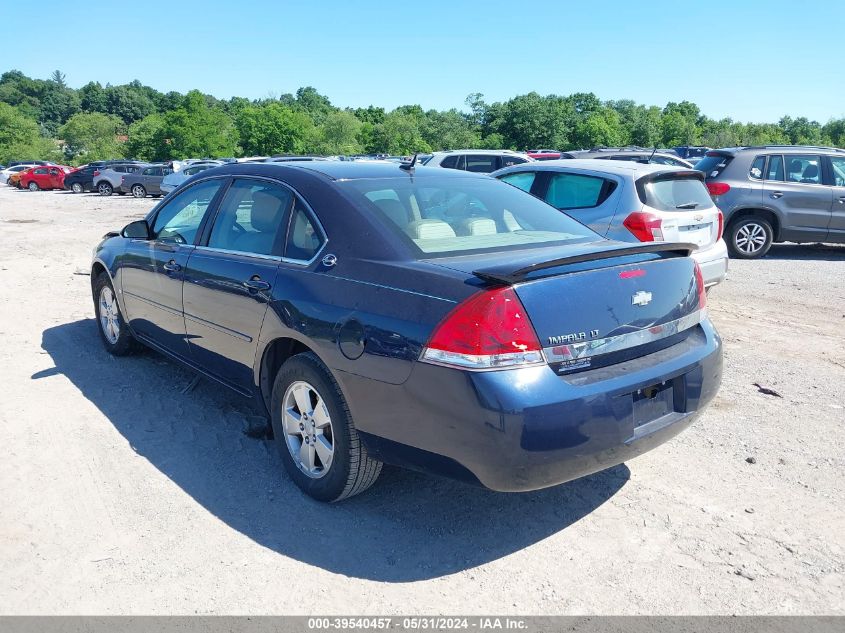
(453, 216)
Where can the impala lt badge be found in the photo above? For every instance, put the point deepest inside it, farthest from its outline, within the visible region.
(641, 298)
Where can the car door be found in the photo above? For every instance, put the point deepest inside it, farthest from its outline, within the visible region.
(41, 177)
(229, 278)
(153, 270)
(794, 189)
(835, 177)
(56, 176)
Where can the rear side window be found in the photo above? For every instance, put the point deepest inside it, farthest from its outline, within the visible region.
(804, 169)
(576, 191)
(507, 161)
(756, 171)
(674, 194)
(481, 164)
(304, 238)
(523, 180)
(775, 170)
(713, 164)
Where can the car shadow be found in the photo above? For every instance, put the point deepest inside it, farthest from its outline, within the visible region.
(407, 527)
(818, 251)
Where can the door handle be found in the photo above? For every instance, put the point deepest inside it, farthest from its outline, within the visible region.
(172, 267)
(256, 285)
(776, 194)
(841, 199)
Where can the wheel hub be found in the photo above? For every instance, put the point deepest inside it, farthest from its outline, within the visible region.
(308, 429)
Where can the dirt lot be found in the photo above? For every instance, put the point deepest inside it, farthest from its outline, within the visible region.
(120, 492)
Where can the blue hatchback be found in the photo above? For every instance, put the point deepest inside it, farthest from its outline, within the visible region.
(434, 319)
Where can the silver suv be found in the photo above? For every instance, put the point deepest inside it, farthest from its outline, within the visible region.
(777, 193)
(477, 160)
(631, 202)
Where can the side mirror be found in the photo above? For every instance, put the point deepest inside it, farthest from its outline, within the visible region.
(138, 230)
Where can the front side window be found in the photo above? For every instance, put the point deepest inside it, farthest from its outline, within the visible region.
(804, 169)
(438, 217)
(575, 191)
(450, 162)
(304, 238)
(756, 171)
(179, 220)
(251, 217)
(523, 180)
(838, 164)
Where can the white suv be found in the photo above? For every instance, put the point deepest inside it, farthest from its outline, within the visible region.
(632, 202)
(477, 160)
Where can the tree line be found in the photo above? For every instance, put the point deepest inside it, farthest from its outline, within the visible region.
(48, 120)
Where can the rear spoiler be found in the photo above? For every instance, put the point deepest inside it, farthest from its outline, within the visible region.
(505, 274)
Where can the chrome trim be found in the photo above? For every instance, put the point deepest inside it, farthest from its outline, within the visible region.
(219, 328)
(588, 349)
(226, 251)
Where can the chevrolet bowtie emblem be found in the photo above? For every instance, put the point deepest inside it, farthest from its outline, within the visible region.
(641, 298)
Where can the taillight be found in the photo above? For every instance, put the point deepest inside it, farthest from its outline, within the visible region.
(702, 291)
(718, 188)
(96, 173)
(721, 226)
(490, 330)
(646, 227)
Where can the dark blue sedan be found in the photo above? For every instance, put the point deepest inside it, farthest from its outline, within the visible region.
(434, 319)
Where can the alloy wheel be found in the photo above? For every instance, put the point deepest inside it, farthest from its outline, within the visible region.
(109, 315)
(308, 429)
(76, 187)
(750, 238)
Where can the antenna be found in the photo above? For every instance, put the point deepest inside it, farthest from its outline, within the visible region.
(410, 166)
(654, 151)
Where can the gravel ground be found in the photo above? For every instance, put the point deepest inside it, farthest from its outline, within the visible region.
(124, 493)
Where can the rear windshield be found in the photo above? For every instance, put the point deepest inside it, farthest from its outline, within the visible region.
(677, 194)
(449, 216)
(713, 164)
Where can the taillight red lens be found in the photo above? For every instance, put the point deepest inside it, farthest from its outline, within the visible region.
(721, 226)
(646, 227)
(718, 188)
(96, 172)
(702, 291)
(490, 330)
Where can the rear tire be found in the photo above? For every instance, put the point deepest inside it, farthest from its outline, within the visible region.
(324, 418)
(138, 191)
(114, 332)
(105, 189)
(749, 237)
(33, 186)
(77, 188)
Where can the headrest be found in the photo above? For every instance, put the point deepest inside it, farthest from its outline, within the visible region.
(266, 211)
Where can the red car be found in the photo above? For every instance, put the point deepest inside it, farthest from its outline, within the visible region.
(43, 177)
(543, 154)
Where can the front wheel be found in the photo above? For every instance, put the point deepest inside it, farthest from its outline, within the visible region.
(105, 189)
(750, 237)
(113, 329)
(315, 434)
(77, 188)
(33, 186)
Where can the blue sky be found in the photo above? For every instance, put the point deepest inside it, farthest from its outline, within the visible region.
(750, 60)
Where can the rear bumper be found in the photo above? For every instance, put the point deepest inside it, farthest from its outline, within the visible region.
(526, 429)
(713, 262)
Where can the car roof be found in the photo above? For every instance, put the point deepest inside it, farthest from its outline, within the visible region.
(344, 170)
(783, 149)
(508, 152)
(617, 167)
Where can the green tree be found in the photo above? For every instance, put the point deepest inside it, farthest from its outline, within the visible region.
(92, 136)
(399, 134)
(273, 129)
(128, 104)
(20, 138)
(338, 134)
(147, 139)
(196, 130)
(599, 128)
(449, 130)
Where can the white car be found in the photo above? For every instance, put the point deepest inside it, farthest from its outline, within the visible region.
(5, 173)
(477, 160)
(632, 202)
